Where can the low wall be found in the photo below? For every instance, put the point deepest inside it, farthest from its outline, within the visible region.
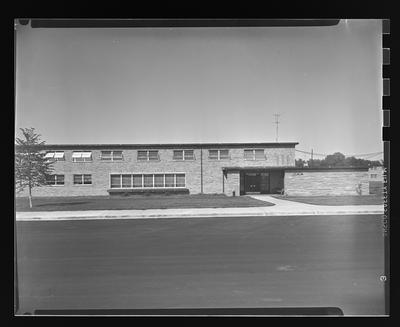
(326, 182)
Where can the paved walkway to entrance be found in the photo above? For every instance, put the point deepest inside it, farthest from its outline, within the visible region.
(288, 205)
(281, 208)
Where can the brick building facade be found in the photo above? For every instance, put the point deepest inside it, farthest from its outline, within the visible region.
(240, 168)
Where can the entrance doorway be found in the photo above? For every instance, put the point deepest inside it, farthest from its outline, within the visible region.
(252, 183)
(261, 182)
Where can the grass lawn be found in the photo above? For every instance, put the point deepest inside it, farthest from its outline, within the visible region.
(137, 202)
(335, 200)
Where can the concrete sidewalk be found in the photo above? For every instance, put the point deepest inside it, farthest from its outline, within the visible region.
(281, 208)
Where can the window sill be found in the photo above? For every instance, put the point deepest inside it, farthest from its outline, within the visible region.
(148, 188)
(158, 160)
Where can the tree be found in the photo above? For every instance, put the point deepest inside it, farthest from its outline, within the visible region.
(334, 160)
(31, 166)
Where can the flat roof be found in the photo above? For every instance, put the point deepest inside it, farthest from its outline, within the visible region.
(170, 145)
(296, 169)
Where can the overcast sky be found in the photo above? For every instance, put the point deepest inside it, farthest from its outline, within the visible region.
(182, 85)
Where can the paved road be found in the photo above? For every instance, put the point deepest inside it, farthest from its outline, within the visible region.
(330, 261)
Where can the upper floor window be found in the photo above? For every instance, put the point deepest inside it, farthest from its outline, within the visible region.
(56, 155)
(254, 154)
(111, 155)
(148, 155)
(218, 154)
(81, 156)
(55, 179)
(183, 155)
(374, 175)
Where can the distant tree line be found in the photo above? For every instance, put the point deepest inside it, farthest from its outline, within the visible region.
(338, 160)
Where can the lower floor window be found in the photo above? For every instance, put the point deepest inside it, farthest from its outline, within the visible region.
(148, 180)
(82, 179)
(55, 179)
(158, 180)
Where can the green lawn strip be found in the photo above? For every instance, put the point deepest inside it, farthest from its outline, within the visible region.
(137, 202)
(336, 200)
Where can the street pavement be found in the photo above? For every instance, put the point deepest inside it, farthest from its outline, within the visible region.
(285, 261)
(281, 208)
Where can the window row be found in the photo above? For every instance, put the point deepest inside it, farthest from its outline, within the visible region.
(147, 180)
(153, 155)
(78, 179)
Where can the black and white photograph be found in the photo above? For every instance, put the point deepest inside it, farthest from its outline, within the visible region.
(189, 168)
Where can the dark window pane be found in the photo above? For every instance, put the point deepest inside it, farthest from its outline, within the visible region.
(189, 155)
(115, 181)
(178, 154)
(159, 180)
(137, 180)
(87, 179)
(148, 180)
(117, 155)
(169, 180)
(213, 154)
(153, 155)
(142, 155)
(180, 180)
(60, 180)
(77, 179)
(126, 181)
(105, 155)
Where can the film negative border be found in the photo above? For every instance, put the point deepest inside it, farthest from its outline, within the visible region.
(386, 128)
(386, 69)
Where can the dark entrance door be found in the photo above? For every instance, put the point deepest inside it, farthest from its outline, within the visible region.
(264, 183)
(252, 183)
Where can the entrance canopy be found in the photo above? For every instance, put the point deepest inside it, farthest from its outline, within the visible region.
(255, 168)
(258, 179)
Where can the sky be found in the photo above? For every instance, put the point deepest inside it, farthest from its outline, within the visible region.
(211, 85)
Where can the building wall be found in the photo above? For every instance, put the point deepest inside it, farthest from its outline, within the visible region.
(232, 183)
(212, 170)
(375, 176)
(101, 170)
(326, 183)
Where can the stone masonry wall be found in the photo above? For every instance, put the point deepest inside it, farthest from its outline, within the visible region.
(232, 183)
(326, 183)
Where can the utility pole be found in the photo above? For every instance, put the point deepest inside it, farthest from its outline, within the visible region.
(311, 161)
(276, 122)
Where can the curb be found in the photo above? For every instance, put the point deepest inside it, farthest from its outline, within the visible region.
(205, 215)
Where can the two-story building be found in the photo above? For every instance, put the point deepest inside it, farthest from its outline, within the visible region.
(230, 168)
